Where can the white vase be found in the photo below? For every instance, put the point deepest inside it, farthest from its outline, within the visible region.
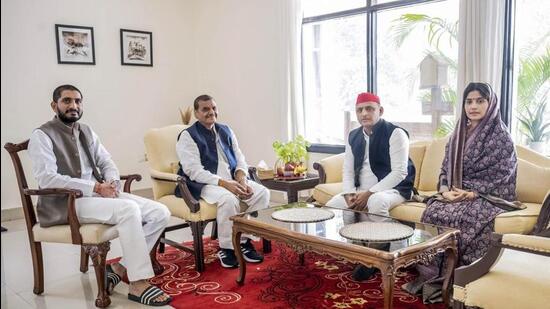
(537, 146)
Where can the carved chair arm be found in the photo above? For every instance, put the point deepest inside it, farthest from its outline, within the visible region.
(180, 181)
(128, 179)
(72, 194)
(321, 171)
(253, 174)
(53, 191)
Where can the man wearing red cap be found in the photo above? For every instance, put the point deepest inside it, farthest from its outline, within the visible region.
(378, 173)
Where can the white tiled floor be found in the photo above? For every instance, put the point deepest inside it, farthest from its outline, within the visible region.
(64, 285)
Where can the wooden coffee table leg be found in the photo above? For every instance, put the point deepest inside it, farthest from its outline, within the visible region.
(292, 196)
(451, 257)
(301, 258)
(239, 254)
(388, 278)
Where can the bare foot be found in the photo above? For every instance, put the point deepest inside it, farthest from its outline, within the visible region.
(137, 288)
(119, 269)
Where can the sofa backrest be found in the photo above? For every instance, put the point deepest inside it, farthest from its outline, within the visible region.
(533, 179)
(533, 182)
(431, 165)
(417, 150)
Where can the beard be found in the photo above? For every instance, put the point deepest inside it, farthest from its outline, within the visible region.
(67, 118)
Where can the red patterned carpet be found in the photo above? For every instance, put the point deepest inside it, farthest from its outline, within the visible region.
(278, 282)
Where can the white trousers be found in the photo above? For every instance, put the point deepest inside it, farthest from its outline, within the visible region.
(379, 203)
(139, 222)
(229, 205)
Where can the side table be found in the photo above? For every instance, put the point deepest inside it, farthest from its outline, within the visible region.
(291, 187)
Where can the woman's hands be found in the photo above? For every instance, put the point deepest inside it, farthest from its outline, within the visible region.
(458, 195)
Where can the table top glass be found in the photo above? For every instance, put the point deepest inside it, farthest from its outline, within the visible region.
(330, 229)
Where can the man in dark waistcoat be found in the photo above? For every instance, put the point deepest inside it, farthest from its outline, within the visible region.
(210, 156)
(377, 173)
(68, 154)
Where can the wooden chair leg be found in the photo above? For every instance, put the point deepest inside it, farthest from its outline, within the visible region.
(98, 254)
(161, 244)
(157, 267)
(83, 260)
(197, 230)
(214, 234)
(38, 267)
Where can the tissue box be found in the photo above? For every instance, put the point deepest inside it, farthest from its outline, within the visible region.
(265, 174)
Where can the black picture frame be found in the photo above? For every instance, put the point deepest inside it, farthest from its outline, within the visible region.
(75, 44)
(136, 47)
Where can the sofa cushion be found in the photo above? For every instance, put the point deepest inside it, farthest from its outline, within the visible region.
(333, 167)
(409, 211)
(532, 182)
(518, 221)
(91, 233)
(431, 165)
(324, 192)
(416, 153)
(518, 280)
(179, 209)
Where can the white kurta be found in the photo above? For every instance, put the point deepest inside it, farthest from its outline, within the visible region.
(384, 197)
(139, 221)
(228, 204)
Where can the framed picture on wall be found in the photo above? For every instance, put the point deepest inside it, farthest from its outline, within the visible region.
(136, 47)
(75, 44)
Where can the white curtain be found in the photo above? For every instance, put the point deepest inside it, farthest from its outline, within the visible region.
(292, 87)
(480, 41)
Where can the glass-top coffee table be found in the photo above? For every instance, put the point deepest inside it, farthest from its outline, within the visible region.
(420, 242)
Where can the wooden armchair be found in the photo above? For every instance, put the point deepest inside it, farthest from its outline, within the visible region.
(94, 239)
(513, 274)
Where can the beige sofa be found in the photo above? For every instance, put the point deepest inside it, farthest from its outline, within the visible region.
(533, 183)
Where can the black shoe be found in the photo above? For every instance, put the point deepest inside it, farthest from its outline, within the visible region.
(228, 258)
(363, 273)
(250, 254)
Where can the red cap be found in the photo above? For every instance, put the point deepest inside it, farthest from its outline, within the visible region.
(367, 97)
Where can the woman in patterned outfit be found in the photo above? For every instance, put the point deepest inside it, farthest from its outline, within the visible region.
(477, 180)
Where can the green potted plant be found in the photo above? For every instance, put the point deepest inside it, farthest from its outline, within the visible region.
(534, 127)
(291, 157)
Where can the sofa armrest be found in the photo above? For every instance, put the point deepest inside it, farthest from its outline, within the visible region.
(330, 168)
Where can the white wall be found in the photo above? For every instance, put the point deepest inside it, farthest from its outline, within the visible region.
(241, 64)
(120, 102)
(231, 49)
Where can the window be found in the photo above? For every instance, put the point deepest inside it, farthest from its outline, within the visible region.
(334, 66)
(532, 67)
(415, 41)
(395, 48)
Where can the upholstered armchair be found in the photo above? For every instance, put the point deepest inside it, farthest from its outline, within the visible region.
(94, 239)
(160, 146)
(515, 273)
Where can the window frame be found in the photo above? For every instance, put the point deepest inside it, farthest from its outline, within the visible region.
(371, 10)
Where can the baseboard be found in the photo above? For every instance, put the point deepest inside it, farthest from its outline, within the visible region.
(12, 214)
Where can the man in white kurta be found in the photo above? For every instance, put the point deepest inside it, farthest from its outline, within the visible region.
(219, 168)
(138, 221)
(377, 174)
